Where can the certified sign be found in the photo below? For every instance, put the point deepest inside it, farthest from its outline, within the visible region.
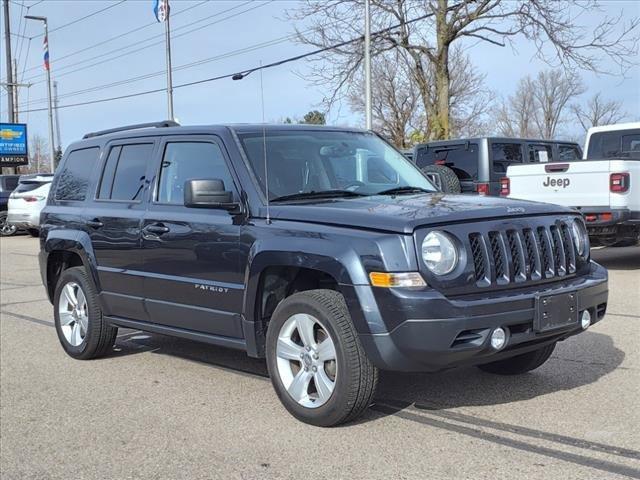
(13, 143)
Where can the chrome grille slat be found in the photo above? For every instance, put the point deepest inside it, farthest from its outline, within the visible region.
(519, 255)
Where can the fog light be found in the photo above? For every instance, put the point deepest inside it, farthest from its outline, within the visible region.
(585, 320)
(498, 338)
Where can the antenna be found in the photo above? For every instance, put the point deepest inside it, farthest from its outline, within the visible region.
(264, 147)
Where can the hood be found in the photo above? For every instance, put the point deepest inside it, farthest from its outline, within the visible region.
(403, 213)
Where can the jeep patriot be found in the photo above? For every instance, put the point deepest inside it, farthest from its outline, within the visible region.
(323, 250)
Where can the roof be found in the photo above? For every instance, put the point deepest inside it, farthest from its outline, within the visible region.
(457, 141)
(615, 127)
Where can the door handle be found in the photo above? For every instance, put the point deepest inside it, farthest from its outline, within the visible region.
(95, 223)
(156, 228)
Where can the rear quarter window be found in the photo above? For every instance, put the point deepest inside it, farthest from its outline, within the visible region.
(123, 177)
(73, 180)
(504, 154)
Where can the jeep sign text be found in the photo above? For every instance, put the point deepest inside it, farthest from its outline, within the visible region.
(556, 182)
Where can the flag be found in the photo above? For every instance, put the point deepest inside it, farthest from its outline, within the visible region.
(45, 47)
(161, 10)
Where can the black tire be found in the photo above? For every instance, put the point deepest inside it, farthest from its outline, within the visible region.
(6, 230)
(520, 364)
(34, 232)
(449, 182)
(357, 377)
(100, 335)
(627, 242)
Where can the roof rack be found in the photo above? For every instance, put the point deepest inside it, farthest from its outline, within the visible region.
(164, 123)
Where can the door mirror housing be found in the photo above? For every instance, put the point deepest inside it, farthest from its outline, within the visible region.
(208, 193)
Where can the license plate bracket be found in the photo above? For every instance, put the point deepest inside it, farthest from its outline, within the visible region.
(556, 311)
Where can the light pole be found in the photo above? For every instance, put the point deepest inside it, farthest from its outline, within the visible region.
(367, 64)
(47, 67)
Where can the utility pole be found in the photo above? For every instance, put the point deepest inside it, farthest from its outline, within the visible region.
(57, 117)
(47, 67)
(15, 91)
(167, 34)
(7, 45)
(367, 63)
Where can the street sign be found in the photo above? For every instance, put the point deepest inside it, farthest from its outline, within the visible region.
(13, 144)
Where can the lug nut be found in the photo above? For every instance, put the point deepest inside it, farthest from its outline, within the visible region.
(315, 356)
(306, 369)
(307, 348)
(302, 355)
(315, 369)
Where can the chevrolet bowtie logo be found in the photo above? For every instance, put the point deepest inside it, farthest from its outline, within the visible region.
(8, 134)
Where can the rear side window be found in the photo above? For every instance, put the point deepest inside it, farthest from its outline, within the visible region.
(540, 153)
(124, 172)
(462, 159)
(74, 178)
(184, 161)
(616, 144)
(504, 154)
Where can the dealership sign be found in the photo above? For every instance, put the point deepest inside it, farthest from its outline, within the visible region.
(13, 144)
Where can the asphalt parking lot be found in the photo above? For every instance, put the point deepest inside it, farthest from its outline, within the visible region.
(160, 407)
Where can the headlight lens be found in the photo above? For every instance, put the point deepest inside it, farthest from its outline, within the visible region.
(580, 238)
(439, 253)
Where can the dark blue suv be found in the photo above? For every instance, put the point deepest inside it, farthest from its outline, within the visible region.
(323, 250)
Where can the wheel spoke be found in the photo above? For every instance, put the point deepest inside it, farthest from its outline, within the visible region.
(66, 318)
(84, 323)
(70, 295)
(327, 350)
(324, 385)
(76, 337)
(288, 350)
(82, 301)
(304, 325)
(300, 385)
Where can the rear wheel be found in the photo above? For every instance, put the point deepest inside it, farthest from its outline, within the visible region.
(6, 230)
(520, 364)
(34, 232)
(317, 365)
(81, 329)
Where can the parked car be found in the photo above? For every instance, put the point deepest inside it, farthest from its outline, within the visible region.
(476, 165)
(604, 186)
(341, 261)
(27, 201)
(7, 184)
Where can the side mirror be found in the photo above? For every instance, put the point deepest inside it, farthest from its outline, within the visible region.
(208, 193)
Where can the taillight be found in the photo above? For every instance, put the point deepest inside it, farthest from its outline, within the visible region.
(32, 198)
(440, 162)
(619, 182)
(591, 217)
(482, 188)
(505, 186)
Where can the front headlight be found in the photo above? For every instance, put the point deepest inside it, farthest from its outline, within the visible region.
(439, 253)
(580, 237)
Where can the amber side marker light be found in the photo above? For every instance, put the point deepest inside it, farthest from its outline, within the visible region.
(389, 280)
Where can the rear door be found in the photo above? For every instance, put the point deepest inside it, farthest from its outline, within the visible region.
(113, 221)
(193, 278)
(463, 158)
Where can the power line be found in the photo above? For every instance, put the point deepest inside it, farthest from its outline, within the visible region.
(73, 22)
(136, 44)
(243, 73)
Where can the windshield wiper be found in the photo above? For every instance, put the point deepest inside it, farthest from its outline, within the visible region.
(405, 189)
(317, 194)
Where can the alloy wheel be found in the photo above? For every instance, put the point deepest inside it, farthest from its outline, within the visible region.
(73, 311)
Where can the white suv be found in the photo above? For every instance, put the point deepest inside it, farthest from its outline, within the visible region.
(27, 201)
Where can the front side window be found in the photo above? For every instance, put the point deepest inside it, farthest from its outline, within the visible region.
(184, 161)
(74, 177)
(309, 161)
(540, 153)
(123, 177)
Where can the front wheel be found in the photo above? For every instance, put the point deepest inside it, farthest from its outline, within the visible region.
(521, 363)
(316, 362)
(6, 230)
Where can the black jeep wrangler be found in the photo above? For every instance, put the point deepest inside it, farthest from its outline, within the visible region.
(322, 249)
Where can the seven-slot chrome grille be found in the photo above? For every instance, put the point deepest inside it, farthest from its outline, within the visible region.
(518, 255)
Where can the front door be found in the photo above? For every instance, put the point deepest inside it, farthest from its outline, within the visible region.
(193, 278)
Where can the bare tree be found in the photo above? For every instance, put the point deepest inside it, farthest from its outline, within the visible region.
(598, 111)
(38, 157)
(552, 92)
(425, 31)
(539, 105)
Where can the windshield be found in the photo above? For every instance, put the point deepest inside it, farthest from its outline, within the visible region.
(306, 161)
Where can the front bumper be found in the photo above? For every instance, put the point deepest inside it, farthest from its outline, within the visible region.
(442, 333)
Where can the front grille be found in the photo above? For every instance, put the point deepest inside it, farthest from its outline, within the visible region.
(519, 255)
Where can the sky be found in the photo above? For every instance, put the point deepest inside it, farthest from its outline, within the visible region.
(233, 36)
